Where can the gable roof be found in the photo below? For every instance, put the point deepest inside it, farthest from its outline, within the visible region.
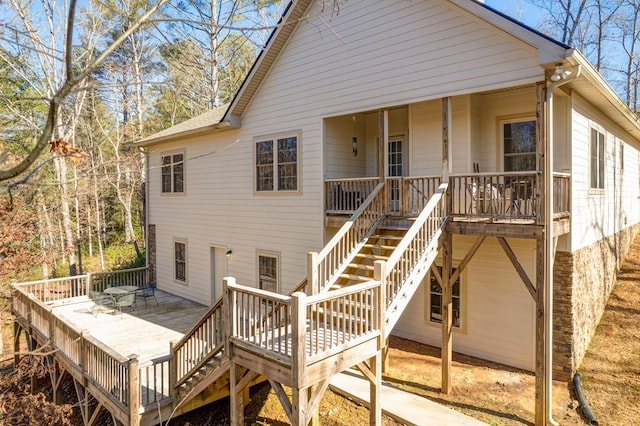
(550, 52)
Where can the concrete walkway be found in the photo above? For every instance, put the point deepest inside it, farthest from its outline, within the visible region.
(402, 406)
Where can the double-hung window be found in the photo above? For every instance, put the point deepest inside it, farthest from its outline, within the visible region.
(434, 302)
(276, 162)
(519, 138)
(268, 272)
(180, 261)
(596, 166)
(173, 173)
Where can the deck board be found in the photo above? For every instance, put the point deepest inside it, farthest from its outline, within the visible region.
(145, 332)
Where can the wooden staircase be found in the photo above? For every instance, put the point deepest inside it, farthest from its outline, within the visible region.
(357, 288)
(378, 246)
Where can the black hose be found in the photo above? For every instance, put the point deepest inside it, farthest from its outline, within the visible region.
(583, 402)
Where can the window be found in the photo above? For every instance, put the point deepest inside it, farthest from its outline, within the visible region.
(519, 139)
(268, 272)
(180, 261)
(173, 173)
(435, 300)
(597, 159)
(277, 164)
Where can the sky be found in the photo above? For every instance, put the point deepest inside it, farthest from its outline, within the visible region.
(519, 9)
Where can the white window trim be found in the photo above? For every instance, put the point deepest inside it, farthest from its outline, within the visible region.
(507, 120)
(274, 137)
(184, 173)
(272, 254)
(600, 130)
(462, 328)
(186, 261)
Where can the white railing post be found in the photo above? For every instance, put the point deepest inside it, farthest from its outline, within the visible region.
(299, 337)
(312, 272)
(380, 274)
(89, 283)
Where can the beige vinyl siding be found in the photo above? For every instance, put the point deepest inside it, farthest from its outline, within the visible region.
(220, 209)
(499, 314)
(599, 214)
(378, 54)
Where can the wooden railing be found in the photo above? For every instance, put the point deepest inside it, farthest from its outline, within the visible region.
(344, 196)
(200, 345)
(561, 194)
(405, 268)
(113, 376)
(407, 195)
(303, 328)
(324, 267)
(154, 381)
(341, 318)
(511, 195)
(138, 277)
(57, 288)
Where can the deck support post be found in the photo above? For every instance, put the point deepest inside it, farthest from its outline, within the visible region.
(235, 395)
(447, 315)
(300, 395)
(17, 329)
(540, 340)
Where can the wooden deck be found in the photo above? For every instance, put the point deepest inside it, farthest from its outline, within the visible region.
(145, 332)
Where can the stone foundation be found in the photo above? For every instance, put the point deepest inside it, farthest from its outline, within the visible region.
(151, 251)
(583, 281)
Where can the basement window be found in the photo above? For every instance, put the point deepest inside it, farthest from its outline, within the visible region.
(434, 300)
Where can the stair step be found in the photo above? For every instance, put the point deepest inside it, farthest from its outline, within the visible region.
(379, 246)
(354, 277)
(387, 237)
(368, 268)
(371, 256)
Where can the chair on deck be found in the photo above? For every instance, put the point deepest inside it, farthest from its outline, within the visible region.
(128, 299)
(147, 292)
(101, 300)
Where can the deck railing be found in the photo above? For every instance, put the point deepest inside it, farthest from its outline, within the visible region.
(110, 373)
(114, 376)
(561, 194)
(407, 195)
(138, 277)
(495, 196)
(344, 196)
(325, 266)
(327, 323)
(510, 195)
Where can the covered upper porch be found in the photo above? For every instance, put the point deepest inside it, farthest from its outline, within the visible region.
(488, 146)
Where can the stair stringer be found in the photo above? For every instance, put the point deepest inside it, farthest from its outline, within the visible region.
(412, 283)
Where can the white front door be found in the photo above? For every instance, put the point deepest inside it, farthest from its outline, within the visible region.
(395, 168)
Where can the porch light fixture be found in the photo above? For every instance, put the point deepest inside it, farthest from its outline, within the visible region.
(354, 139)
(560, 73)
(229, 253)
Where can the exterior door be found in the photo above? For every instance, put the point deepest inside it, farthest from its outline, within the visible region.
(395, 168)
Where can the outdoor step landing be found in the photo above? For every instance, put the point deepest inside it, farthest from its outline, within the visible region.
(402, 406)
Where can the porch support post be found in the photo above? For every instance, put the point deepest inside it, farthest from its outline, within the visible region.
(382, 140)
(447, 314)
(446, 137)
(541, 264)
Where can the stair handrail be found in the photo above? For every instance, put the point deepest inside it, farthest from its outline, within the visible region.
(324, 267)
(418, 248)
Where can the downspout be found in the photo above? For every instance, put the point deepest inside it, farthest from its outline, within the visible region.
(559, 78)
